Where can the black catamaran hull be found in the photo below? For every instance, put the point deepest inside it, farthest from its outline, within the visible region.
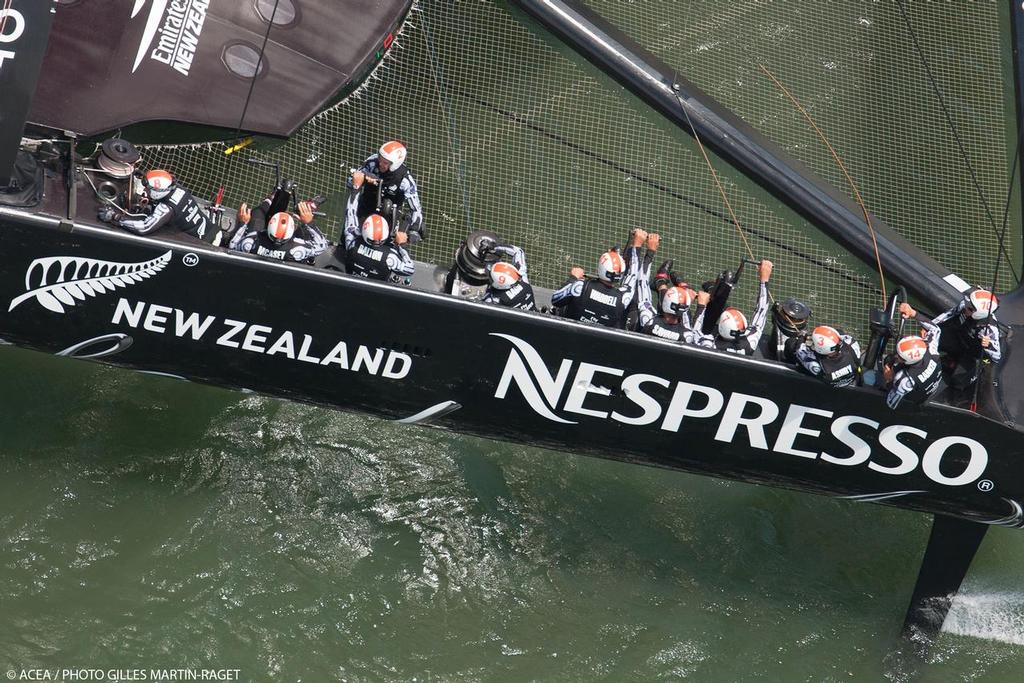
(320, 337)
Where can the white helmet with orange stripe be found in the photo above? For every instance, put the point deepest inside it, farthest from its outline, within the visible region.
(676, 299)
(375, 229)
(911, 349)
(393, 152)
(611, 266)
(731, 324)
(826, 340)
(281, 227)
(982, 303)
(504, 275)
(159, 184)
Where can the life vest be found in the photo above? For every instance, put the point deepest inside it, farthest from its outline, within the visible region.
(519, 295)
(390, 189)
(189, 217)
(367, 260)
(661, 328)
(599, 303)
(265, 246)
(926, 375)
(842, 370)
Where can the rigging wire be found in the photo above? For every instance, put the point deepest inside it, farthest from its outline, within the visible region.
(248, 97)
(842, 167)
(452, 130)
(956, 134)
(714, 174)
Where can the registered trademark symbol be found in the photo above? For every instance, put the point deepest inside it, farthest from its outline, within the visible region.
(986, 485)
(190, 259)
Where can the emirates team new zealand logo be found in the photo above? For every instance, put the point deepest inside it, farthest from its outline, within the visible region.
(59, 281)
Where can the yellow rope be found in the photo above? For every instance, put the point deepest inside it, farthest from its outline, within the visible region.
(842, 167)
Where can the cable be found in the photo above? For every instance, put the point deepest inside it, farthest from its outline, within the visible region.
(248, 97)
(714, 174)
(849, 179)
(956, 135)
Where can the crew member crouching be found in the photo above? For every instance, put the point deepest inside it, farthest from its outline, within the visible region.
(509, 286)
(735, 334)
(280, 237)
(914, 376)
(370, 252)
(832, 356)
(603, 301)
(970, 333)
(170, 205)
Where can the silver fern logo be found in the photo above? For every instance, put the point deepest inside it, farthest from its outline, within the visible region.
(59, 281)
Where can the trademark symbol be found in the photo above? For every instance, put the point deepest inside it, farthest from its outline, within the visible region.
(190, 259)
(986, 485)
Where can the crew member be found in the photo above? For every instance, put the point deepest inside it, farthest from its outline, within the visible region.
(735, 334)
(170, 205)
(281, 237)
(371, 252)
(673, 322)
(391, 186)
(831, 356)
(914, 376)
(509, 286)
(603, 301)
(970, 333)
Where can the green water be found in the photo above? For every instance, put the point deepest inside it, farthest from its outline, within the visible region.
(148, 523)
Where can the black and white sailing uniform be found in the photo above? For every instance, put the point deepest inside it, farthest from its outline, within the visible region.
(842, 370)
(301, 248)
(653, 323)
(597, 302)
(746, 343)
(915, 384)
(396, 185)
(388, 261)
(961, 339)
(519, 295)
(180, 210)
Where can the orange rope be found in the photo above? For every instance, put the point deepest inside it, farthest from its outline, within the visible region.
(721, 189)
(842, 167)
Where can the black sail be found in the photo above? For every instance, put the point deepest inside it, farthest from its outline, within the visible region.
(112, 63)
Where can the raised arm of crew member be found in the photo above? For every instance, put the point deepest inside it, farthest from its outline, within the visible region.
(312, 242)
(518, 257)
(399, 261)
(245, 236)
(734, 333)
(355, 188)
(759, 320)
(915, 376)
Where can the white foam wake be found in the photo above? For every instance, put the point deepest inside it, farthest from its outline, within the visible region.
(993, 616)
